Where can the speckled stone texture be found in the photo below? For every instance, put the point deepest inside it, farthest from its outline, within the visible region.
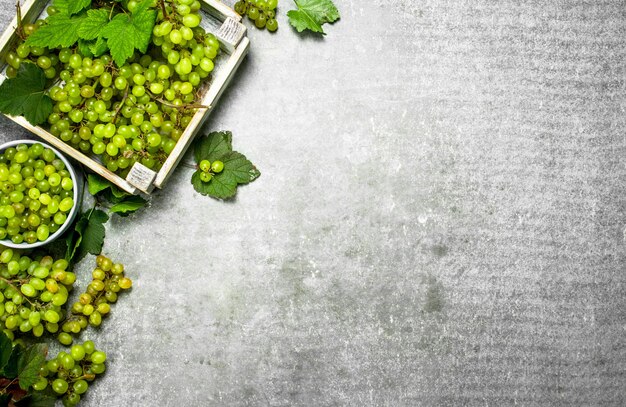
(440, 220)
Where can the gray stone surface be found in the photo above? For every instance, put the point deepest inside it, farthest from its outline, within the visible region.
(440, 221)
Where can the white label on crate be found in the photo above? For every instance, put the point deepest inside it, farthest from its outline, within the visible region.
(231, 32)
(141, 177)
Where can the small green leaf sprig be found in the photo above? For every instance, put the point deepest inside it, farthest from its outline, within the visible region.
(226, 169)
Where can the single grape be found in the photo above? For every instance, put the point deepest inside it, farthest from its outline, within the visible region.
(217, 166)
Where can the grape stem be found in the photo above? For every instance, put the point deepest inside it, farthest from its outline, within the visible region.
(119, 107)
(162, 3)
(18, 290)
(20, 28)
(182, 107)
(8, 385)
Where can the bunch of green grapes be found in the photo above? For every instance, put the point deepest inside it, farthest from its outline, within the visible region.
(36, 193)
(32, 293)
(262, 12)
(69, 373)
(95, 303)
(136, 112)
(209, 169)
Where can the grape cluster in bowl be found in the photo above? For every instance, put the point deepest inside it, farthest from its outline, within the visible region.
(39, 194)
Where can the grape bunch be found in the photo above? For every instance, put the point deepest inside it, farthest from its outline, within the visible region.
(95, 303)
(69, 373)
(210, 169)
(135, 112)
(36, 193)
(262, 12)
(32, 293)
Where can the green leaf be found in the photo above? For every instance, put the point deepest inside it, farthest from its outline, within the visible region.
(213, 146)
(99, 47)
(37, 399)
(312, 14)
(77, 6)
(10, 370)
(6, 347)
(60, 32)
(125, 33)
(129, 205)
(93, 24)
(219, 187)
(84, 47)
(238, 170)
(62, 5)
(29, 363)
(5, 399)
(88, 236)
(25, 95)
(97, 184)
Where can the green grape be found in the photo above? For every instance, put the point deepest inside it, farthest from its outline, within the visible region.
(217, 166)
(205, 177)
(205, 165)
(60, 386)
(98, 357)
(261, 21)
(271, 25)
(89, 347)
(253, 13)
(80, 386)
(77, 352)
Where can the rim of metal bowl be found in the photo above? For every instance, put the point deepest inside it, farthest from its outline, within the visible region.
(78, 185)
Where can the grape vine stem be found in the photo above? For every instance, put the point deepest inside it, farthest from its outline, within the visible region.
(162, 3)
(182, 107)
(20, 28)
(9, 385)
(18, 290)
(119, 107)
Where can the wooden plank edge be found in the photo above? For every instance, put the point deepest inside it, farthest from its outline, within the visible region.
(210, 99)
(222, 10)
(96, 167)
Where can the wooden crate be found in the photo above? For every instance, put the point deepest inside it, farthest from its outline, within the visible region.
(218, 19)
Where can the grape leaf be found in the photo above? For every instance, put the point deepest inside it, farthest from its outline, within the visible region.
(84, 47)
(97, 184)
(93, 24)
(62, 5)
(237, 166)
(312, 14)
(25, 95)
(237, 171)
(212, 146)
(124, 203)
(60, 32)
(29, 363)
(128, 205)
(88, 235)
(99, 47)
(77, 6)
(38, 399)
(218, 187)
(6, 347)
(10, 369)
(125, 33)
